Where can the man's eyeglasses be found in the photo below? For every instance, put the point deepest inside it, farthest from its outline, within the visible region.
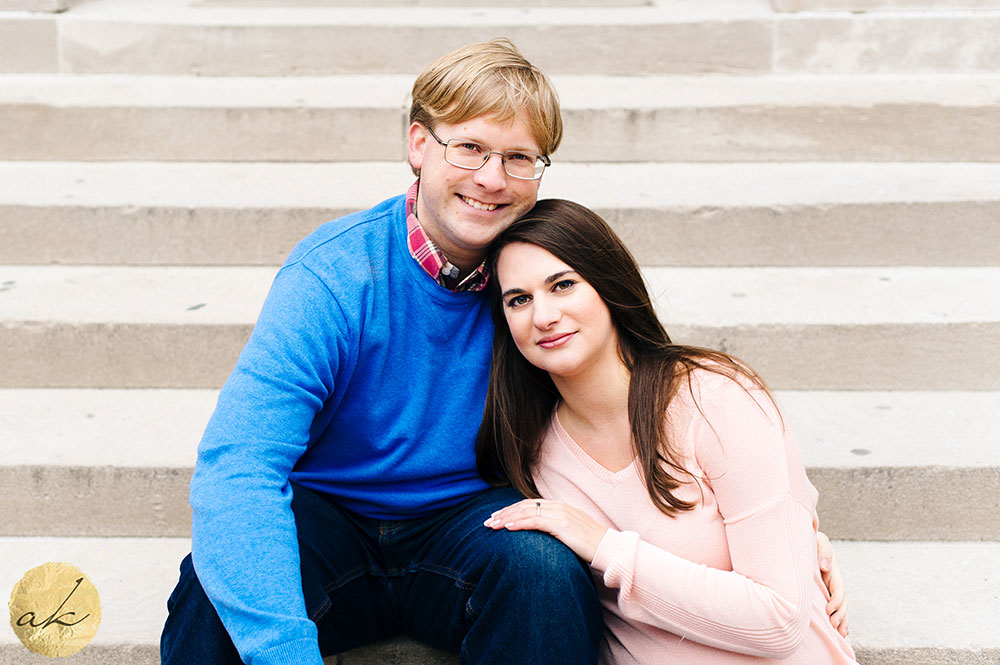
(471, 155)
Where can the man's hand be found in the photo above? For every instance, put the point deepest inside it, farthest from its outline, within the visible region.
(575, 528)
(834, 580)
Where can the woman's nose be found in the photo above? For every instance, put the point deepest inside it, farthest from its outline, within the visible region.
(545, 313)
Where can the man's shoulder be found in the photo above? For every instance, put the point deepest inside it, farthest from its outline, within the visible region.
(351, 236)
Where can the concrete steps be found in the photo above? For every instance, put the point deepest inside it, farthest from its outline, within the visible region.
(872, 328)
(862, 448)
(135, 575)
(636, 118)
(809, 184)
(751, 214)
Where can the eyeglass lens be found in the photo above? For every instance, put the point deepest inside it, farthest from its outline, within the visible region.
(469, 155)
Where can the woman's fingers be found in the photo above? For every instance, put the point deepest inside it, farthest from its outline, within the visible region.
(515, 515)
(833, 578)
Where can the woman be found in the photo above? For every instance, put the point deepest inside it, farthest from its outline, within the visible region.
(667, 468)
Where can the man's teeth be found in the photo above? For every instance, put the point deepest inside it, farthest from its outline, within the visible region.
(479, 205)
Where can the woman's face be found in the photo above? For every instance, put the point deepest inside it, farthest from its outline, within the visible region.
(557, 320)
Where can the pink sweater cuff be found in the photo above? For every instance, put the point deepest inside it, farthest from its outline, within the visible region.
(613, 546)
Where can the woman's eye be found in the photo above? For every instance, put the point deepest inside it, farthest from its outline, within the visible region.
(517, 301)
(562, 285)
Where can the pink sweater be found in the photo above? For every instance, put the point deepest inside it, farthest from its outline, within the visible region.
(731, 581)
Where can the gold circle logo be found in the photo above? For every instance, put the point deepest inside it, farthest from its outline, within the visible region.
(55, 610)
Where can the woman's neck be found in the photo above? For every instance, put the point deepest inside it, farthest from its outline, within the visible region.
(594, 411)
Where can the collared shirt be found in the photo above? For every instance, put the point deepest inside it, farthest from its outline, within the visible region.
(431, 258)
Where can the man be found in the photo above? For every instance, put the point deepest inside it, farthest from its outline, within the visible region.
(335, 497)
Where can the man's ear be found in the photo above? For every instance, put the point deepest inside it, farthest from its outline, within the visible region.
(416, 142)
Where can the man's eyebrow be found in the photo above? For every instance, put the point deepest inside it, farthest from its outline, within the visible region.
(554, 277)
(478, 141)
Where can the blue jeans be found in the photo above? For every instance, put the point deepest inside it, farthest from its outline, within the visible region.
(445, 580)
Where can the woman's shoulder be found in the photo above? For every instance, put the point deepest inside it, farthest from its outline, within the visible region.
(718, 388)
(711, 376)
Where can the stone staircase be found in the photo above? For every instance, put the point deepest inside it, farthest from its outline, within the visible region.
(812, 185)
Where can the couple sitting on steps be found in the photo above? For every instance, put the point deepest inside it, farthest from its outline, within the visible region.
(595, 493)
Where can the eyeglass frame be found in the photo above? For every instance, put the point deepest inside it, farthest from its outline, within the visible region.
(489, 153)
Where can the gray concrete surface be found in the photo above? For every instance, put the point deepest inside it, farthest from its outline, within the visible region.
(775, 219)
(921, 581)
(873, 328)
(854, 214)
(861, 449)
(637, 119)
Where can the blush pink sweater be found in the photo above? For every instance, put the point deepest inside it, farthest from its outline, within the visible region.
(735, 580)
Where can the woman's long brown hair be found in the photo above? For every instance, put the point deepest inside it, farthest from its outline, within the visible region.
(521, 398)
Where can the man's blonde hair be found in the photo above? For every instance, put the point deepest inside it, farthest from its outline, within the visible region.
(488, 79)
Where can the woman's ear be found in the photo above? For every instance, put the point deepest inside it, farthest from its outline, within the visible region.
(416, 143)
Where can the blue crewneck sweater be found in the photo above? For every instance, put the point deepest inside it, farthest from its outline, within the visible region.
(364, 380)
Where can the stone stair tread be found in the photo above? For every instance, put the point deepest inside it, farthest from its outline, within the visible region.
(881, 5)
(112, 90)
(357, 185)
(182, 327)
(819, 214)
(110, 427)
(134, 576)
(685, 296)
(576, 92)
(859, 428)
(161, 428)
(210, 12)
(656, 118)
(99, 36)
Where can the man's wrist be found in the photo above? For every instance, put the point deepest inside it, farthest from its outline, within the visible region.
(303, 651)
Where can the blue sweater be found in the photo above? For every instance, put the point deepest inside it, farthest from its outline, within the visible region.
(364, 380)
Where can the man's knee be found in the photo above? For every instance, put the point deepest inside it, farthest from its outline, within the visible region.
(542, 565)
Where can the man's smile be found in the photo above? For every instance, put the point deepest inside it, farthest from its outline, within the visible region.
(479, 205)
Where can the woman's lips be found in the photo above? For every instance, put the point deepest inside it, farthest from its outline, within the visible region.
(553, 341)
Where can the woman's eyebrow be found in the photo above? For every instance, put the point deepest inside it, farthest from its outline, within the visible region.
(555, 277)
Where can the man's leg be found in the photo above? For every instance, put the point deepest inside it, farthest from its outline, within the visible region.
(335, 552)
(193, 632)
(495, 596)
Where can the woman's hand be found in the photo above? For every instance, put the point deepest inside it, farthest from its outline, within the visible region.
(575, 528)
(834, 580)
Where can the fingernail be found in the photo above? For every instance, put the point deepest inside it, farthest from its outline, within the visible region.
(824, 563)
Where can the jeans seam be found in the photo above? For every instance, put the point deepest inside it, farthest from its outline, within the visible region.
(448, 572)
(321, 612)
(345, 579)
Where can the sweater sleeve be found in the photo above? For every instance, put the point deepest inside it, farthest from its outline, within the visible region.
(244, 544)
(761, 607)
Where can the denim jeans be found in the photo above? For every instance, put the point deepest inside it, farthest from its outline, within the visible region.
(445, 580)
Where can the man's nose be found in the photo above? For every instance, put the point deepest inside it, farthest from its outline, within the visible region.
(491, 174)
